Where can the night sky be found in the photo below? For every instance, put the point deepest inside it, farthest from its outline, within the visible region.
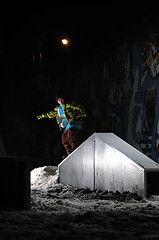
(90, 29)
(87, 26)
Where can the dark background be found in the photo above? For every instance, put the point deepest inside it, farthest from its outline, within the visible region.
(27, 89)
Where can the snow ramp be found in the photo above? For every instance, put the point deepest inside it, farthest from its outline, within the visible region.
(106, 162)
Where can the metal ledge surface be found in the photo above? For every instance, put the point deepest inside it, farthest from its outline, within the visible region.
(106, 162)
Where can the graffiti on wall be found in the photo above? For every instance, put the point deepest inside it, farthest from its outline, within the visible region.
(146, 130)
(134, 89)
(150, 53)
(123, 96)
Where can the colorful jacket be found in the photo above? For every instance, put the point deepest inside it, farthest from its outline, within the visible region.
(74, 112)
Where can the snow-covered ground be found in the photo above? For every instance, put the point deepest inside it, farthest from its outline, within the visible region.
(64, 212)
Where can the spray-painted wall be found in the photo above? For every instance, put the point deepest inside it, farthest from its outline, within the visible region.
(145, 104)
(122, 96)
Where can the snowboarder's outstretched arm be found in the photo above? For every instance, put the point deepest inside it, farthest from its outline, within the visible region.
(46, 115)
(50, 114)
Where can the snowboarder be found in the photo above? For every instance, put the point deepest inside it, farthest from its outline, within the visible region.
(69, 116)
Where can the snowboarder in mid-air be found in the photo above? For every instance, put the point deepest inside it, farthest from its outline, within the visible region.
(70, 117)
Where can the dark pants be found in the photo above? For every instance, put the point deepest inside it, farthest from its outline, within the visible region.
(70, 139)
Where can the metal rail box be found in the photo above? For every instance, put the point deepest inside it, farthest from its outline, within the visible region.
(106, 162)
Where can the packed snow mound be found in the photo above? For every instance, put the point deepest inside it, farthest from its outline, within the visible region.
(64, 212)
(44, 176)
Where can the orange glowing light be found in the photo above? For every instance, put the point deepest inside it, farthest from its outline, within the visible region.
(64, 41)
